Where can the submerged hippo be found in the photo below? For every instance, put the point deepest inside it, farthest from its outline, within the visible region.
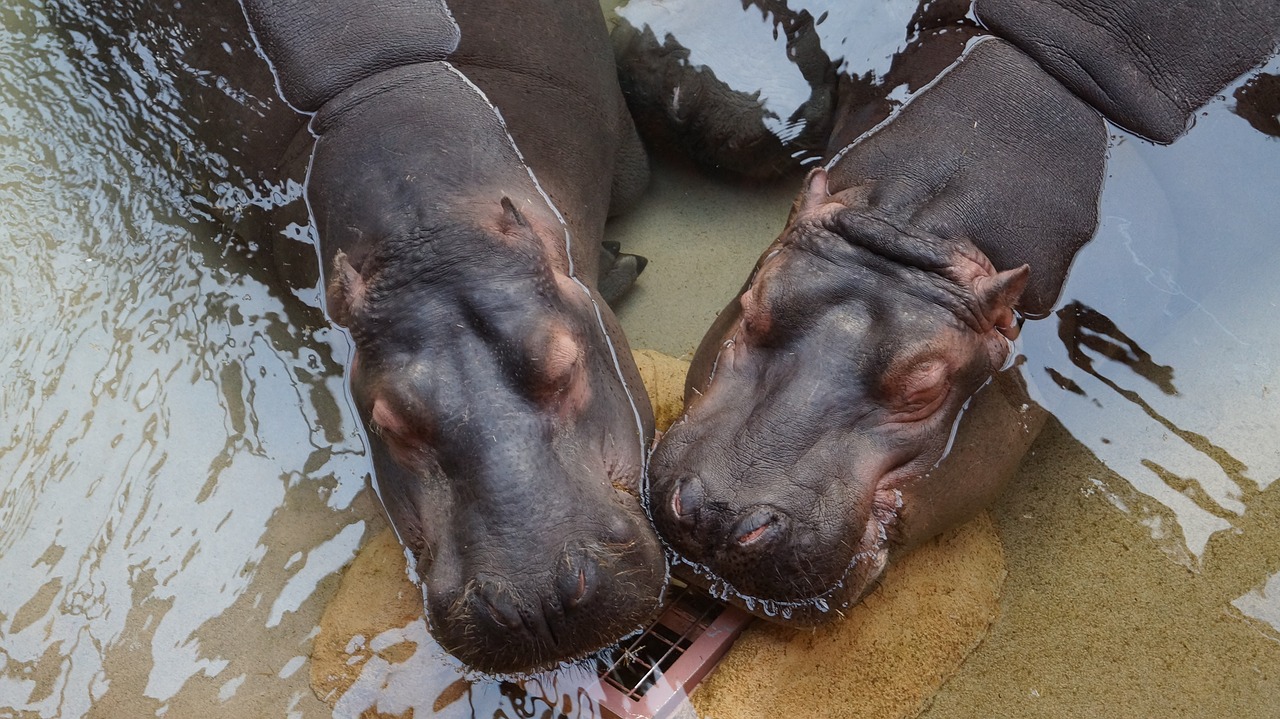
(459, 183)
(850, 401)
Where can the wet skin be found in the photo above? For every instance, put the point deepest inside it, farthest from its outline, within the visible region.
(507, 453)
(825, 407)
(821, 394)
(459, 201)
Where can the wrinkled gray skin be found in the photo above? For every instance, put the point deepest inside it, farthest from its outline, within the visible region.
(507, 420)
(850, 402)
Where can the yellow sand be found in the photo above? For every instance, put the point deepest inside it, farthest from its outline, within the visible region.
(885, 659)
(375, 595)
(663, 376)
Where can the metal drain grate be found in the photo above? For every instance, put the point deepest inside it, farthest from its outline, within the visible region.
(653, 672)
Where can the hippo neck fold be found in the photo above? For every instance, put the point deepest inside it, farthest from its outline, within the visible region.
(875, 247)
(971, 156)
(940, 270)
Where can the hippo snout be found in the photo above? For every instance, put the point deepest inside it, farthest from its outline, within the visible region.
(689, 523)
(517, 621)
(578, 582)
(686, 502)
(547, 620)
(760, 550)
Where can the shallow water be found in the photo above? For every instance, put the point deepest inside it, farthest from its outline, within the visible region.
(182, 474)
(1141, 533)
(179, 460)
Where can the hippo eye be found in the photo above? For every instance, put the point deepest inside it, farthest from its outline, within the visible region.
(918, 392)
(398, 427)
(558, 368)
(387, 420)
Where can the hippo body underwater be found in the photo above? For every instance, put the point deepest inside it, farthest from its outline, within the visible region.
(458, 184)
(852, 400)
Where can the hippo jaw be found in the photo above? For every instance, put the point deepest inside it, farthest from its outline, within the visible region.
(820, 397)
(508, 448)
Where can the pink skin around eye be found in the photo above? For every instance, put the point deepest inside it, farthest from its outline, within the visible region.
(919, 394)
(387, 418)
(563, 370)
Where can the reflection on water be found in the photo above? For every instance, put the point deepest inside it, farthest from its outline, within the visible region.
(1168, 379)
(1262, 602)
(181, 471)
(422, 684)
(180, 464)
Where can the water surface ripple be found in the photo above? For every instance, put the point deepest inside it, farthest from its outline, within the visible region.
(181, 470)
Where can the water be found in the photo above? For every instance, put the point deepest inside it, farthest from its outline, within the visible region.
(1141, 531)
(182, 474)
(1142, 534)
(180, 462)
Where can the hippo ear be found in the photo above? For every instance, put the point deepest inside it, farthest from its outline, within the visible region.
(513, 221)
(814, 193)
(997, 296)
(345, 293)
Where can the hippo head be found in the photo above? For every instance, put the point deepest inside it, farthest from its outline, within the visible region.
(508, 431)
(823, 393)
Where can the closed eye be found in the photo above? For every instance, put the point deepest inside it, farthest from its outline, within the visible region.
(918, 393)
(398, 427)
(559, 370)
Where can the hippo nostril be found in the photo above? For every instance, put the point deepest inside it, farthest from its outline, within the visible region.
(762, 524)
(503, 613)
(753, 535)
(686, 500)
(579, 583)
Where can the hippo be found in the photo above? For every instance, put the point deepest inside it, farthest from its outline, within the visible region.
(458, 184)
(855, 398)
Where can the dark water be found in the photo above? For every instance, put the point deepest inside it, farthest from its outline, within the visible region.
(182, 474)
